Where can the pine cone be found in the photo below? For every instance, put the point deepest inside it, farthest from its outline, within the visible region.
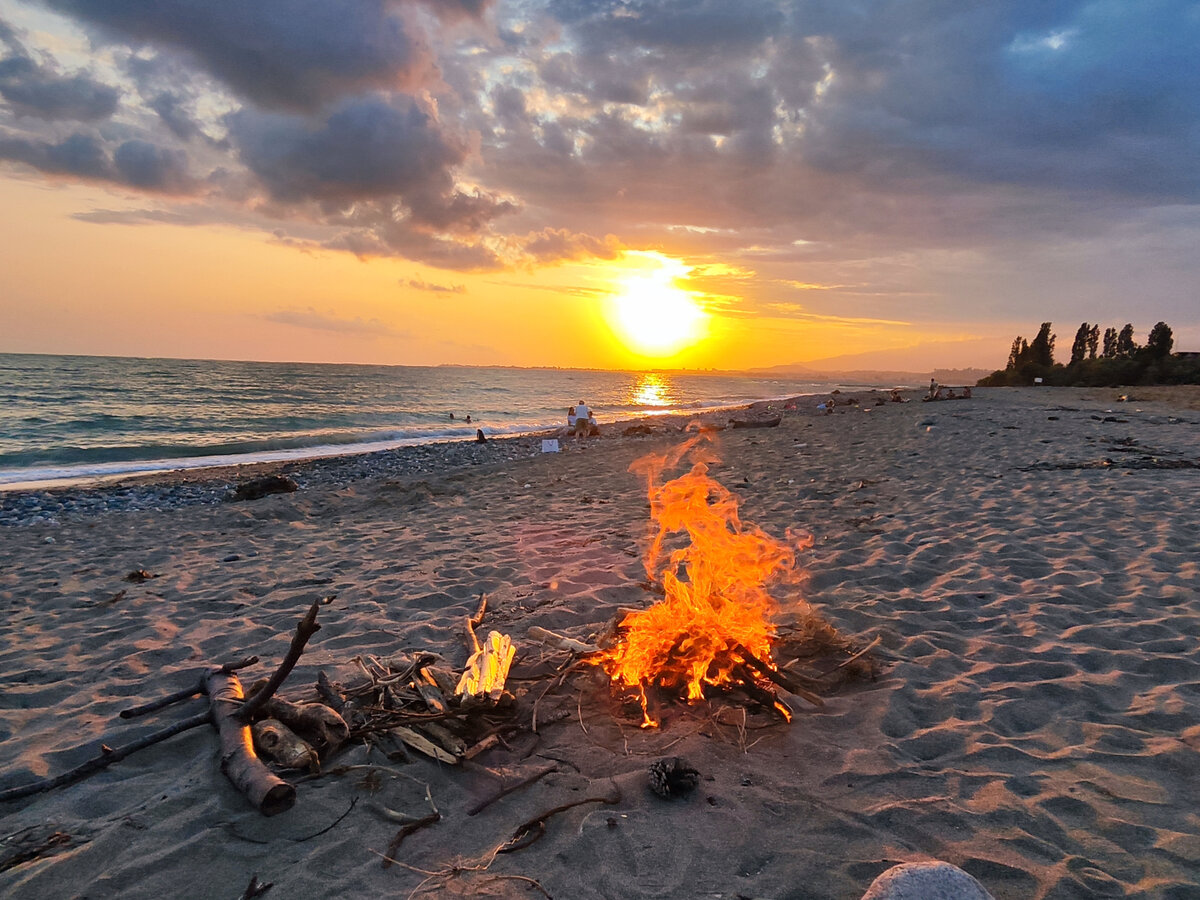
(673, 777)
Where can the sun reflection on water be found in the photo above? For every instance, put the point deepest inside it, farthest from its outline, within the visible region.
(652, 390)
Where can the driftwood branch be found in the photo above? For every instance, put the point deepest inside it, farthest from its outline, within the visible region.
(528, 832)
(560, 641)
(269, 793)
(228, 712)
(857, 656)
(105, 759)
(505, 791)
(404, 832)
(184, 693)
(306, 628)
(475, 621)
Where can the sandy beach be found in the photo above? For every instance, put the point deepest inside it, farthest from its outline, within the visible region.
(1027, 559)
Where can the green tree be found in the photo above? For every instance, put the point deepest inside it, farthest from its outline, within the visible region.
(1093, 341)
(1018, 355)
(1159, 344)
(1126, 345)
(1110, 343)
(1041, 348)
(1079, 345)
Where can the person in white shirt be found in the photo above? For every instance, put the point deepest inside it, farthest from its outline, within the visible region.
(583, 416)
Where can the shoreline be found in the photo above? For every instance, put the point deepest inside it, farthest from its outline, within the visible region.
(44, 503)
(176, 488)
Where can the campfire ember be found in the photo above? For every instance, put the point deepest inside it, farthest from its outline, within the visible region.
(713, 628)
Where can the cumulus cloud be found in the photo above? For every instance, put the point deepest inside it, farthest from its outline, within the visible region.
(283, 54)
(38, 89)
(80, 155)
(786, 134)
(133, 163)
(557, 245)
(366, 148)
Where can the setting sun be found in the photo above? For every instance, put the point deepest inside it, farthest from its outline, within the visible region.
(651, 314)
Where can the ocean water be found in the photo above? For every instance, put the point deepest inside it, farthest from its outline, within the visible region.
(72, 417)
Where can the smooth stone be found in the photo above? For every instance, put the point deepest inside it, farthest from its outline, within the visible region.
(935, 880)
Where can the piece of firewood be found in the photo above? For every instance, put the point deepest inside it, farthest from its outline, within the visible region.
(487, 669)
(475, 621)
(560, 641)
(776, 676)
(321, 726)
(269, 793)
(428, 688)
(283, 746)
(422, 744)
(305, 629)
(443, 737)
(330, 693)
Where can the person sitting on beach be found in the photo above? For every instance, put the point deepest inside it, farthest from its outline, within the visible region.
(966, 394)
(571, 418)
(951, 395)
(583, 421)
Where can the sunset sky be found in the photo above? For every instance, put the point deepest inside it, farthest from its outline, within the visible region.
(698, 183)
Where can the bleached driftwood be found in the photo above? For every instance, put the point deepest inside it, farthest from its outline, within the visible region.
(269, 793)
(560, 641)
(487, 669)
(228, 712)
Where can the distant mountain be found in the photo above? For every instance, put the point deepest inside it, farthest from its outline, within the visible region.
(879, 367)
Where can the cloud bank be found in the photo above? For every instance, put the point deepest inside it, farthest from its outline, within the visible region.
(917, 148)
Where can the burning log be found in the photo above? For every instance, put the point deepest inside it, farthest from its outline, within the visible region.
(773, 674)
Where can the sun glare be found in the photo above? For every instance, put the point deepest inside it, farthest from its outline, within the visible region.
(651, 314)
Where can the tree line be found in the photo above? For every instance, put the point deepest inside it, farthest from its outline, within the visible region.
(1114, 358)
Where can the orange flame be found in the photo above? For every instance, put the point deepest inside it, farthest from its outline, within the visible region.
(715, 605)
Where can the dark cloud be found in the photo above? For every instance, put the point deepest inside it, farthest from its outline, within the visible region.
(37, 89)
(670, 25)
(397, 238)
(152, 168)
(366, 148)
(135, 164)
(173, 114)
(283, 54)
(79, 155)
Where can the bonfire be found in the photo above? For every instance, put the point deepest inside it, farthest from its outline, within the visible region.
(713, 630)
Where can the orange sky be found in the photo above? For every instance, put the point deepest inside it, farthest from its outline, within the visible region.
(523, 183)
(221, 292)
